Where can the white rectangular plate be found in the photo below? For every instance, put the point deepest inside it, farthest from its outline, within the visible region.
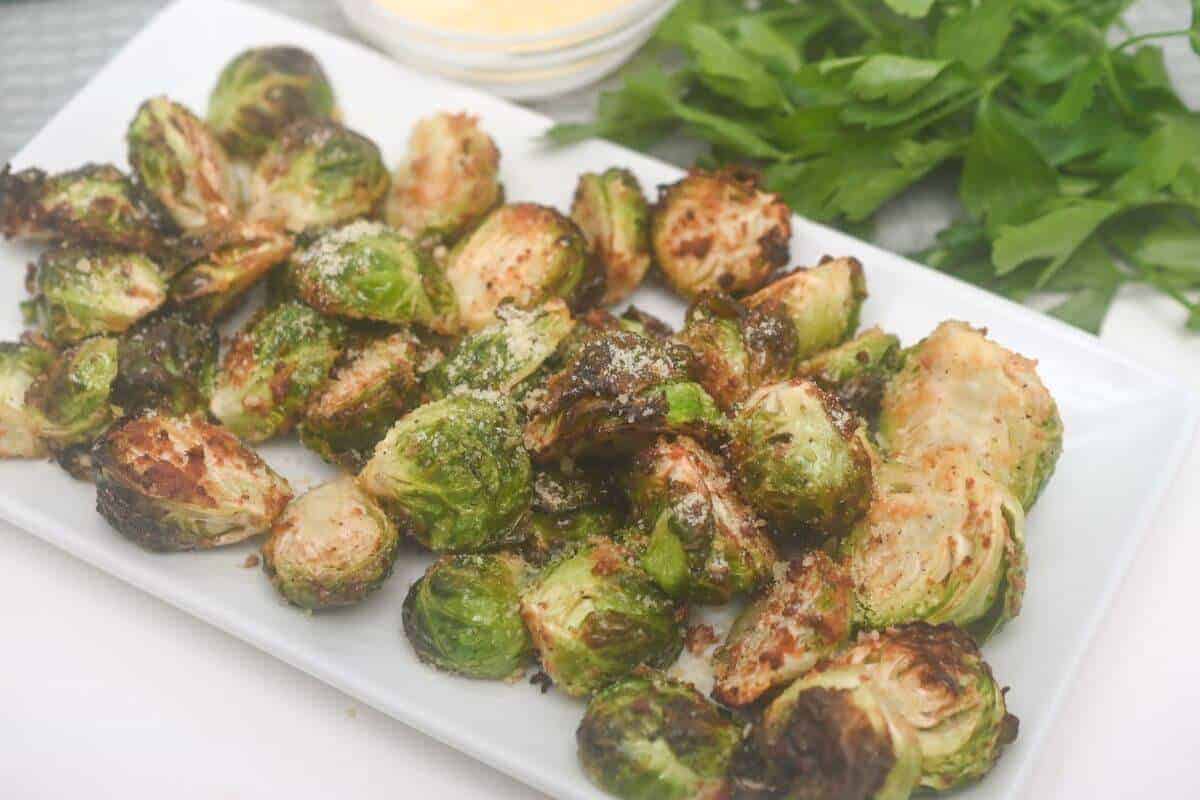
(1126, 427)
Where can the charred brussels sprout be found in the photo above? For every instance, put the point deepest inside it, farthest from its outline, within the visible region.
(942, 542)
(21, 365)
(856, 372)
(717, 231)
(802, 618)
(619, 391)
(330, 547)
(448, 181)
(96, 203)
(958, 388)
(366, 270)
(237, 258)
(261, 91)
(737, 349)
(502, 355)
(282, 356)
(317, 173)
(612, 213)
(704, 543)
(84, 291)
(568, 510)
(74, 399)
(464, 616)
(522, 253)
(454, 472)
(649, 737)
(371, 389)
(179, 160)
(595, 616)
(167, 360)
(823, 302)
(801, 459)
(180, 483)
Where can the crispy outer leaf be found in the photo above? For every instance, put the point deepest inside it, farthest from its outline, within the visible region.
(1005, 180)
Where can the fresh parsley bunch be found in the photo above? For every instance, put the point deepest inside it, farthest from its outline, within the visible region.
(1077, 164)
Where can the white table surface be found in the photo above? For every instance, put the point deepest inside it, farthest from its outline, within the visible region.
(106, 692)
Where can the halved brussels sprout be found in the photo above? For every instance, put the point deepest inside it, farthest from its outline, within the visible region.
(87, 290)
(331, 546)
(20, 423)
(167, 360)
(179, 160)
(823, 302)
(366, 270)
(372, 388)
(801, 459)
(523, 253)
(717, 231)
(569, 509)
(596, 615)
(74, 399)
(464, 616)
(942, 542)
(936, 681)
(611, 210)
(180, 483)
(803, 617)
(317, 173)
(650, 737)
(618, 392)
(737, 349)
(502, 355)
(96, 203)
(263, 90)
(856, 372)
(958, 388)
(237, 257)
(454, 473)
(282, 355)
(448, 181)
(704, 544)
(832, 735)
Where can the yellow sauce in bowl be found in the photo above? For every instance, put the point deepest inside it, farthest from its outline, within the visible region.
(501, 17)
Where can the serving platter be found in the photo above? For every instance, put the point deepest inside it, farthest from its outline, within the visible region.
(1127, 428)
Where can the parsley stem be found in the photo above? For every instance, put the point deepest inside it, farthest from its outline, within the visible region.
(1147, 274)
(860, 18)
(1147, 37)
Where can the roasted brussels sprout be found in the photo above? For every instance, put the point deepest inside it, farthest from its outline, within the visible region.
(454, 473)
(958, 388)
(502, 355)
(317, 173)
(181, 483)
(366, 270)
(803, 617)
(522, 253)
(448, 181)
(74, 399)
(618, 392)
(717, 231)
(801, 459)
(273, 365)
(236, 258)
(942, 542)
(179, 160)
(168, 361)
(20, 423)
(374, 386)
(936, 680)
(594, 616)
(737, 349)
(263, 90)
(95, 204)
(330, 547)
(856, 372)
(87, 290)
(823, 302)
(612, 213)
(464, 616)
(569, 509)
(650, 737)
(704, 543)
